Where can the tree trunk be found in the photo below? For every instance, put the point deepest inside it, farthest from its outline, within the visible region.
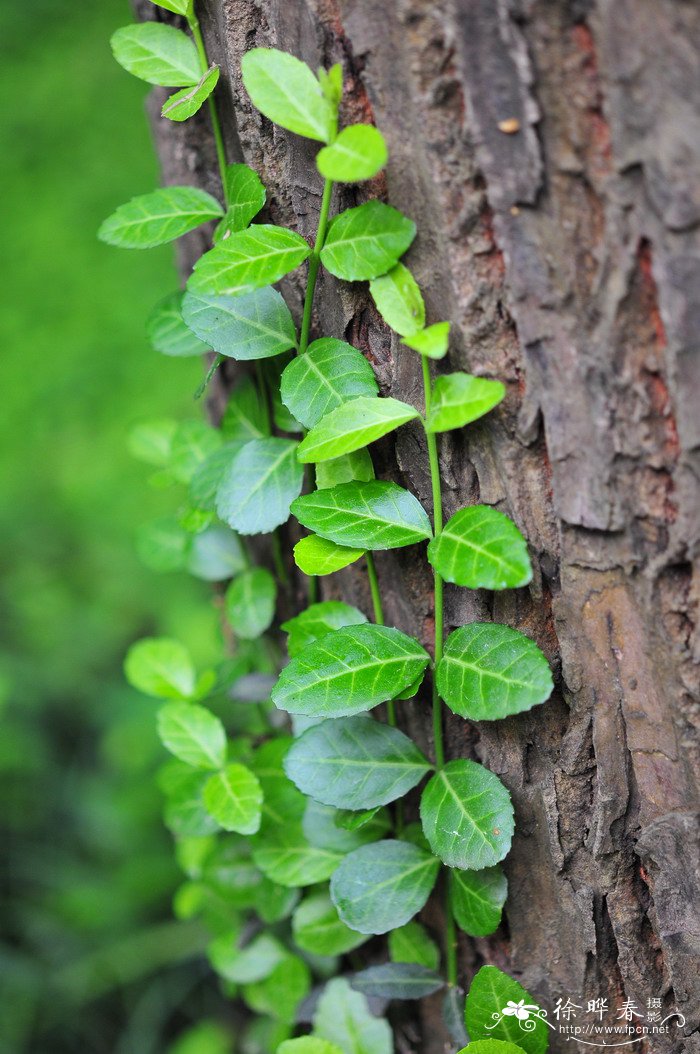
(567, 255)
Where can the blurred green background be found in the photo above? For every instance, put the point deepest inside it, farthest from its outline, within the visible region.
(89, 959)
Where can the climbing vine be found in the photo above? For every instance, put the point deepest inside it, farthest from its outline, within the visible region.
(286, 785)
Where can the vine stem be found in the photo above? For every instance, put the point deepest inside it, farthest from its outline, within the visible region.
(379, 619)
(314, 264)
(196, 32)
(437, 578)
(450, 940)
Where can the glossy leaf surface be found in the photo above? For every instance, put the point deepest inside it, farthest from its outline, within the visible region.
(318, 620)
(286, 91)
(353, 425)
(477, 899)
(234, 798)
(186, 102)
(399, 300)
(330, 373)
(250, 603)
(458, 399)
(491, 991)
(318, 556)
(357, 153)
(264, 478)
(253, 326)
(248, 259)
(365, 242)
(157, 53)
(481, 548)
(193, 734)
(159, 217)
(373, 515)
(432, 342)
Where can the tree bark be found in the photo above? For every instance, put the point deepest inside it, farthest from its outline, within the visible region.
(567, 255)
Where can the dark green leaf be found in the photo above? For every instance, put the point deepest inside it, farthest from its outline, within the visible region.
(262, 481)
(160, 667)
(354, 821)
(344, 1018)
(317, 620)
(348, 671)
(344, 469)
(322, 830)
(168, 333)
(159, 217)
(381, 886)
(398, 981)
(234, 798)
(250, 603)
(157, 53)
(330, 373)
(353, 425)
(244, 417)
(186, 102)
(256, 325)
(248, 259)
(373, 515)
(399, 300)
(490, 993)
(481, 548)
(490, 671)
(317, 928)
(215, 555)
(355, 763)
(286, 91)
(318, 556)
(411, 944)
(477, 898)
(358, 153)
(367, 241)
(453, 1015)
(491, 1046)
(459, 398)
(431, 342)
(193, 734)
(467, 816)
(285, 856)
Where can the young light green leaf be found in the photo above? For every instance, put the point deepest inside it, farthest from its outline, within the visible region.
(262, 481)
(308, 1045)
(373, 515)
(168, 333)
(477, 899)
(490, 671)
(151, 441)
(163, 545)
(193, 734)
(250, 603)
(208, 475)
(186, 102)
(157, 53)
(331, 82)
(192, 444)
(280, 994)
(358, 153)
(459, 398)
(344, 469)
(411, 944)
(348, 671)
(215, 555)
(318, 929)
(245, 195)
(353, 425)
(249, 259)
(285, 856)
(355, 763)
(343, 1017)
(491, 1046)
(431, 342)
(286, 91)
(481, 548)
(318, 556)
(160, 667)
(159, 217)
(330, 373)
(398, 981)
(234, 798)
(491, 990)
(381, 886)
(399, 300)
(255, 325)
(245, 965)
(317, 620)
(178, 7)
(243, 418)
(467, 816)
(365, 242)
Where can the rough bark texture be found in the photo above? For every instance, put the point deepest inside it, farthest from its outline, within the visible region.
(567, 256)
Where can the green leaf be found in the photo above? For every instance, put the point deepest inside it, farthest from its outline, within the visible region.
(208, 474)
(152, 440)
(490, 992)
(160, 667)
(343, 1017)
(318, 929)
(467, 816)
(192, 444)
(159, 217)
(280, 994)
(245, 194)
(358, 153)
(348, 671)
(489, 671)
(178, 7)
(244, 417)
(344, 469)
(353, 425)
(163, 544)
(321, 828)
(168, 333)
(411, 944)
(481, 548)
(234, 798)
(308, 1045)
(477, 899)
(272, 902)
(317, 620)
(459, 398)
(193, 734)
(246, 965)
(286, 91)
(330, 373)
(157, 53)
(491, 1046)
(263, 1035)
(399, 300)
(186, 102)
(453, 1015)
(398, 981)
(354, 821)
(431, 342)
(285, 856)
(381, 886)
(355, 763)
(215, 555)
(262, 481)
(318, 556)
(184, 812)
(249, 259)
(366, 242)
(373, 515)
(331, 82)
(250, 603)
(256, 325)
(206, 1037)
